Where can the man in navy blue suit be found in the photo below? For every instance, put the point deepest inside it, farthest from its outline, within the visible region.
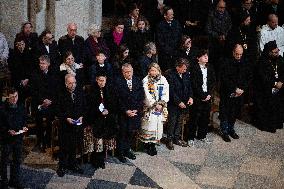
(130, 95)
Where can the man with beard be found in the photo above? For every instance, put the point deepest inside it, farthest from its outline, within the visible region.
(268, 83)
(234, 79)
(245, 35)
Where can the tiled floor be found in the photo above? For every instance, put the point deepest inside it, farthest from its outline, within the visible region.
(255, 161)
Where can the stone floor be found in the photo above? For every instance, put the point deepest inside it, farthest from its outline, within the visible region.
(256, 160)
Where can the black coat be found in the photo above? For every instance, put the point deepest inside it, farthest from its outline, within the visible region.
(191, 56)
(44, 86)
(269, 109)
(168, 37)
(53, 54)
(65, 44)
(137, 41)
(143, 63)
(233, 75)
(129, 100)
(103, 126)
(67, 108)
(180, 88)
(96, 69)
(113, 47)
(197, 81)
(11, 119)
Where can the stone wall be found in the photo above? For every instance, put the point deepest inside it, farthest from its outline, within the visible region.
(12, 15)
(56, 16)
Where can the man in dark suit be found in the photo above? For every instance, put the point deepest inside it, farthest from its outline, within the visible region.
(48, 46)
(44, 90)
(71, 110)
(72, 42)
(12, 125)
(234, 79)
(130, 95)
(169, 34)
(203, 81)
(180, 100)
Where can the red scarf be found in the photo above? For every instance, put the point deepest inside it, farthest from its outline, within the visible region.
(117, 37)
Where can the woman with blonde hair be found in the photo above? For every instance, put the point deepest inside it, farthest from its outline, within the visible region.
(156, 90)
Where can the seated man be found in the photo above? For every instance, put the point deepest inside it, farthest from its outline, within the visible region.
(71, 104)
(270, 32)
(44, 89)
(12, 125)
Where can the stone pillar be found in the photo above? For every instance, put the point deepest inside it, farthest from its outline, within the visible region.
(50, 15)
(95, 12)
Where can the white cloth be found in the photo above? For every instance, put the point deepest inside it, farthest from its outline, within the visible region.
(47, 48)
(152, 124)
(267, 34)
(204, 76)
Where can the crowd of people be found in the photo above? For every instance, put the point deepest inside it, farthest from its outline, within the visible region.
(144, 75)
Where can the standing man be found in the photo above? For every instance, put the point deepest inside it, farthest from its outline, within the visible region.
(234, 78)
(268, 89)
(130, 93)
(180, 100)
(71, 105)
(72, 42)
(169, 34)
(12, 127)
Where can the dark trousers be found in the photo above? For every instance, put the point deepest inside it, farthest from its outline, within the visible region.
(44, 130)
(126, 134)
(68, 144)
(198, 126)
(174, 126)
(230, 109)
(16, 150)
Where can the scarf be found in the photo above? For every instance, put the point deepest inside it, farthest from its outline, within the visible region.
(117, 37)
(151, 84)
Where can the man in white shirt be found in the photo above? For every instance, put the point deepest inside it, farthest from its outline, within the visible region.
(271, 31)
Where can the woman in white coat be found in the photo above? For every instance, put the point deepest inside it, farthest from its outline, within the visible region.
(156, 90)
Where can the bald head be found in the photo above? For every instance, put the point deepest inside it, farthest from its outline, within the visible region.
(272, 21)
(221, 6)
(238, 52)
(72, 30)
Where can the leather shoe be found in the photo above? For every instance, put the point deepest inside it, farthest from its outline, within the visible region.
(226, 138)
(15, 184)
(234, 135)
(61, 171)
(121, 158)
(130, 155)
(180, 143)
(170, 145)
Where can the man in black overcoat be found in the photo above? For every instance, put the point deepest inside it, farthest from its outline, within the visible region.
(234, 78)
(180, 100)
(44, 88)
(130, 94)
(71, 110)
(72, 42)
(12, 127)
(268, 89)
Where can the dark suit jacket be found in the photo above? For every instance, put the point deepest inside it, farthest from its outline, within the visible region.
(65, 44)
(180, 88)
(67, 108)
(130, 100)
(53, 54)
(44, 86)
(113, 47)
(197, 81)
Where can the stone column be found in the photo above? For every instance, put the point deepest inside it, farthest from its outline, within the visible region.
(95, 12)
(50, 15)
